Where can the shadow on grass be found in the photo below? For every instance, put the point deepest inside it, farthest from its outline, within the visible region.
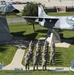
(42, 31)
(67, 40)
(18, 34)
(58, 59)
(31, 36)
(2, 49)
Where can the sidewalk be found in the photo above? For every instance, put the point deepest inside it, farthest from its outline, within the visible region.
(54, 68)
(17, 60)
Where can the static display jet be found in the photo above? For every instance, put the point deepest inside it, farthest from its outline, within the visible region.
(4, 30)
(53, 23)
(8, 8)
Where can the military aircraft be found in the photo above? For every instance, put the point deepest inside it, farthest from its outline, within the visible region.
(4, 30)
(8, 8)
(53, 23)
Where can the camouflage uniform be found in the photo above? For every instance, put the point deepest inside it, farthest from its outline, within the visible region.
(37, 55)
(45, 47)
(30, 51)
(52, 59)
(44, 55)
(31, 55)
(38, 46)
(44, 61)
(31, 46)
(27, 58)
(52, 54)
(36, 60)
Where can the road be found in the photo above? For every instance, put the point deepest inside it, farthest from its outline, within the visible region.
(15, 20)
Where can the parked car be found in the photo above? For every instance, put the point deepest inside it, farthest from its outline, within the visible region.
(18, 2)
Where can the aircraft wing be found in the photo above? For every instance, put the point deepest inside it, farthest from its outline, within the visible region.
(36, 17)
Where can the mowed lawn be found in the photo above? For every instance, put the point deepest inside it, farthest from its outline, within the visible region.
(34, 73)
(61, 13)
(25, 30)
(6, 54)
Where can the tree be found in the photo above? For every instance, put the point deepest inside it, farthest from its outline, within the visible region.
(31, 9)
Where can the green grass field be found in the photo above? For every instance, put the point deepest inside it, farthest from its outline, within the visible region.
(34, 73)
(61, 14)
(7, 53)
(25, 30)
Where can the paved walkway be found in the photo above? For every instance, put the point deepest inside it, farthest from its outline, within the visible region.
(15, 20)
(17, 60)
(54, 68)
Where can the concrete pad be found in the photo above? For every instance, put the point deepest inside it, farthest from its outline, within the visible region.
(64, 43)
(40, 68)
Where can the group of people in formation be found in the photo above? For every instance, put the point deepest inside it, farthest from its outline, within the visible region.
(37, 54)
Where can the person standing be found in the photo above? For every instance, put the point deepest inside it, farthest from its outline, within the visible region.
(52, 53)
(35, 60)
(27, 61)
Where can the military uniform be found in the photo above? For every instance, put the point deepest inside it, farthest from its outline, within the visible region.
(44, 62)
(38, 46)
(31, 55)
(27, 61)
(44, 65)
(36, 60)
(31, 46)
(52, 54)
(37, 55)
(44, 55)
(52, 58)
(30, 51)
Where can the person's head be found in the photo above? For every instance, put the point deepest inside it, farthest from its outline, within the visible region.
(31, 41)
(39, 41)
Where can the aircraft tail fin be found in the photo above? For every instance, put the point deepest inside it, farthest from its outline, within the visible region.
(41, 12)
